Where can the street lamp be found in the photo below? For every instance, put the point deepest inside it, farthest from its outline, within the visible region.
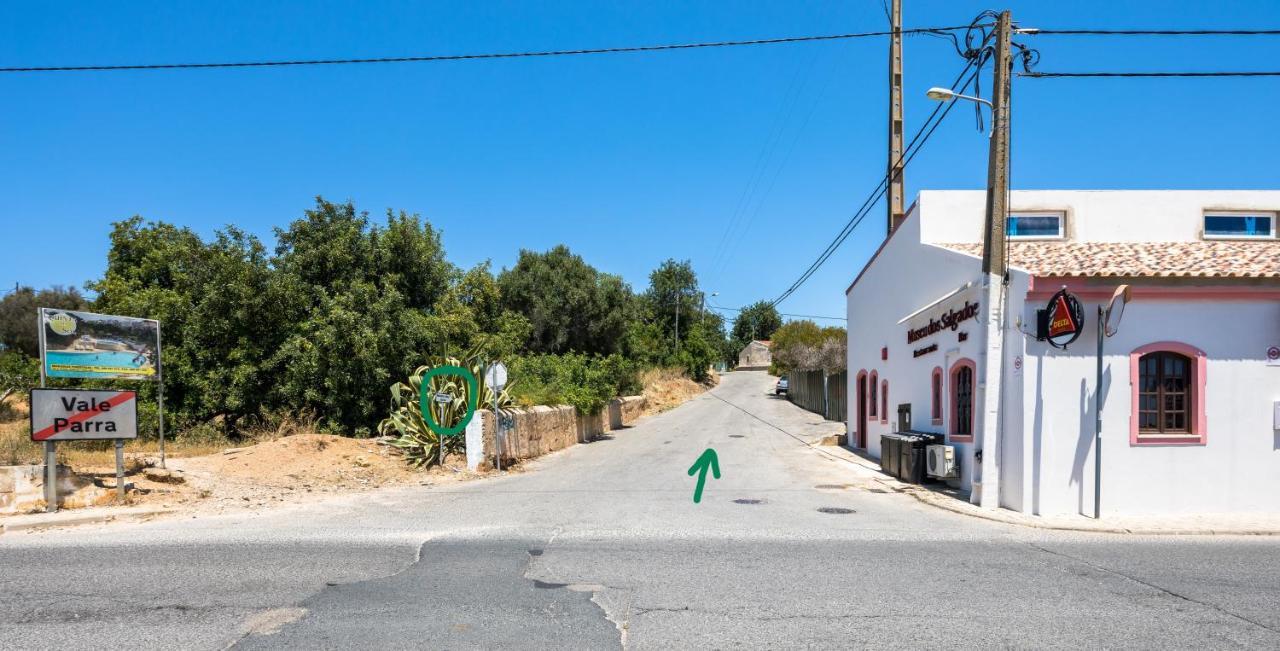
(940, 94)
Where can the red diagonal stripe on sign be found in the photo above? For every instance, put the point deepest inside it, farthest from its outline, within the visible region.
(118, 399)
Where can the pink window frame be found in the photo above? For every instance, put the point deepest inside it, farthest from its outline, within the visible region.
(884, 402)
(1199, 374)
(935, 395)
(953, 399)
(873, 399)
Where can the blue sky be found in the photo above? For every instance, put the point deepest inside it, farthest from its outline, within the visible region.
(628, 159)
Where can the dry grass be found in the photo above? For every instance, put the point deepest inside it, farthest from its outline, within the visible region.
(16, 447)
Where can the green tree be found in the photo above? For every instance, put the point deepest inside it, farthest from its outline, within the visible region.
(673, 297)
(804, 345)
(223, 313)
(370, 297)
(18, 331)
(570, 306)
(757, 321)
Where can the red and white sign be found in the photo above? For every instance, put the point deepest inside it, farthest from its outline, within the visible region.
(78, 414)
(1273, 356)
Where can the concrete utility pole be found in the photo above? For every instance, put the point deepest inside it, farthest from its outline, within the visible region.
(896, 198)
(990, 425)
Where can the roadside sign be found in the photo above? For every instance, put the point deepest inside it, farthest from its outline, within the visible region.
(496, 375)
(78, 414)
(1062, 320)
(87, 345)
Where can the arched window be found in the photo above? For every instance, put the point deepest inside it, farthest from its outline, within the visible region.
(963, 381)
(1167, 379)
(872, 400)
(884, 401)
(935, 395)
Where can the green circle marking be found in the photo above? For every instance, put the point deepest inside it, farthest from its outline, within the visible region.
(424, 398)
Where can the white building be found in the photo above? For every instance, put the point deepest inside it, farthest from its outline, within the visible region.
(1190, 394)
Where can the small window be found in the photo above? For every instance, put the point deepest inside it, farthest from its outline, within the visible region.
(1035, 226)
(884, 401)
(935, 411)
(873, 399)
(1233, 225)
(962, 399)
(1168, 381)
(1164, 384)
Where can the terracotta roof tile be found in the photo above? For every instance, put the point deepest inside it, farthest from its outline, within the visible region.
(1210, 259)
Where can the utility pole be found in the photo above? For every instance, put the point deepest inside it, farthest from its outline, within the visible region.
(677, 322)
(896, 198)
(989, 425)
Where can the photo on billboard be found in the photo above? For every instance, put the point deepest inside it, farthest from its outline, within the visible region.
(87, 345)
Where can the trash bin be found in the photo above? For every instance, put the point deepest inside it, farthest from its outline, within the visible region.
(913, 455)
(890, 451)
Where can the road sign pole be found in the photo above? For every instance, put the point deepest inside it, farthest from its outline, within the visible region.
(497, 429)
(120, 469)
(50, 453)
(1097, 424)
(160, 391)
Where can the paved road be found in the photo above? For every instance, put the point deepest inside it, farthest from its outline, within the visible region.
(601, 546)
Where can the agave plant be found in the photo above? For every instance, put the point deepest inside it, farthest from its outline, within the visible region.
(407, 425)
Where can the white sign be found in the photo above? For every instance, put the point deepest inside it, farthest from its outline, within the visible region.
(444, 398)
(76, 414)
(496, 375)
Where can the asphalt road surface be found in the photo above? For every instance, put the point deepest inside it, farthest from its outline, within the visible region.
(601, 546)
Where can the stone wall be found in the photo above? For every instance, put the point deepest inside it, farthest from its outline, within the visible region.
(536, 431)
(22, 489)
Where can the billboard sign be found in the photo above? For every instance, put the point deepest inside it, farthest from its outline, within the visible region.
(99, 346)
(78, 414)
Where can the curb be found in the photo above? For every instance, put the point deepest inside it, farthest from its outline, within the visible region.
(39, 522)
(925, 496)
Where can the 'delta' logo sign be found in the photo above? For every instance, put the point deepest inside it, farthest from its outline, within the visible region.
(1061, 321)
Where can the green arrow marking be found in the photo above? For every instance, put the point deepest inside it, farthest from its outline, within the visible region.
(708, 459)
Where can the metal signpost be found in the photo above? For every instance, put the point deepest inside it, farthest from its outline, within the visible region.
(83, 415)
(496, 378)
(96, 346)
(1108, 326)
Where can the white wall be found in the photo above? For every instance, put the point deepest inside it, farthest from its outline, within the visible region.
(1237, 470)
(906, 276)
(956, 216)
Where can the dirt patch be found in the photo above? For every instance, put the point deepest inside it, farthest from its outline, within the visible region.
(291, 469)
(668, 388)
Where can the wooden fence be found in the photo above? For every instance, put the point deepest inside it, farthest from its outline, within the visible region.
(819, 394)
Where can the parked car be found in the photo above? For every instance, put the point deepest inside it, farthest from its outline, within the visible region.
(781, 387)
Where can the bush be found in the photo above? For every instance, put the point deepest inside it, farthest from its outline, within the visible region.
(584, 381)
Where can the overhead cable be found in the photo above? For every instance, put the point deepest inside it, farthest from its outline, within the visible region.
(472, 57)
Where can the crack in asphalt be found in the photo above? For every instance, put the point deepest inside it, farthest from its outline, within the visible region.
(1161, 589)
(596, 590)
(249, 629)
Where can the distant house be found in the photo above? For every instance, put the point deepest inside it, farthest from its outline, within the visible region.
(755, 356)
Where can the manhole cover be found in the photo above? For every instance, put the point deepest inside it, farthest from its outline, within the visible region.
(737, 436)
(747, 501)
(836, 510)
(832, 486)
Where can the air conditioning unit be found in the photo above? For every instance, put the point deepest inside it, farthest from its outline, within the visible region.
(942, 462)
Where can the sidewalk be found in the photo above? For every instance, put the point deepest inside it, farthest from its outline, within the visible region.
(73, 517)
(937, 495)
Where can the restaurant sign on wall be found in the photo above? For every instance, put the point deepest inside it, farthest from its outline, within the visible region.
(949, 320)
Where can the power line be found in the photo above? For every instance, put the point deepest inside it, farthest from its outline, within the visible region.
(922, 135)
(472, 57)
(1150, 32)
(797, 316)
(1060, 75)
